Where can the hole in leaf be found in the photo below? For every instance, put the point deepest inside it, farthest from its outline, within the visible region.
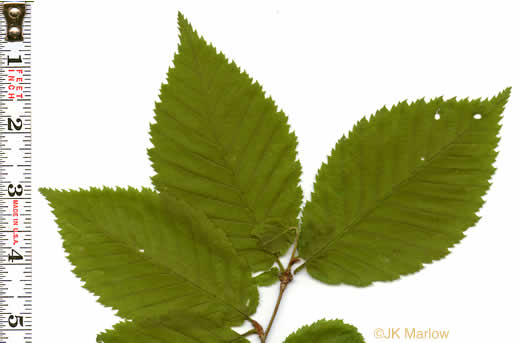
(477, 116)
(422, 158)
(141, 250)
(437, 116)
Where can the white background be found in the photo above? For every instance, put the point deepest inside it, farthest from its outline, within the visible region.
(98, 66)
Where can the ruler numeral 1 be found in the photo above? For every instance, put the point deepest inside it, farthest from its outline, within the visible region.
(14, 60)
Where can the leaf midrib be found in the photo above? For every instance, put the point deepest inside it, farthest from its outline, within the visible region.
(379, 202)
(172, 272)
(250, 214)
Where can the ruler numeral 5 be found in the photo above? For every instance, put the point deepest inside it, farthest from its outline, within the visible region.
(14, 321)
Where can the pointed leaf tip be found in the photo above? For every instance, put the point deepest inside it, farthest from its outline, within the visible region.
(503, 97)
(181, 18)
(43, 191)
(184, 25)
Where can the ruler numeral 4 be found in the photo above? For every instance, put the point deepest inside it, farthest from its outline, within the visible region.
(14, 256)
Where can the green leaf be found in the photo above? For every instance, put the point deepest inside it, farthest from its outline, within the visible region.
(178, 327)
(400, 190)
(267, 278)
(224, 147)
(146, 258)
(326, 331)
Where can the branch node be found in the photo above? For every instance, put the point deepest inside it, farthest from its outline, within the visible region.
(286, 277)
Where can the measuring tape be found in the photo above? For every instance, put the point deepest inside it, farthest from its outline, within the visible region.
(15, 173)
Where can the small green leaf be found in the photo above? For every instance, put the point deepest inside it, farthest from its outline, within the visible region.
(223, 146)
(146, 258)
(267, 278)
(177, 327)
(400, 190)
(326, 331)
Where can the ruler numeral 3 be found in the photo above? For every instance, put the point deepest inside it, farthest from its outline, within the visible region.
(12, 190)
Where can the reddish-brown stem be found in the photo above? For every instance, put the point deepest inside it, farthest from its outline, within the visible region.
(285, 277)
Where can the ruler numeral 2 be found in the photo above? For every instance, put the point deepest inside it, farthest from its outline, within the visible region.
(17, 126)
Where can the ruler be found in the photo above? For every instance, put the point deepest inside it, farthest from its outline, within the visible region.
(15, 173)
